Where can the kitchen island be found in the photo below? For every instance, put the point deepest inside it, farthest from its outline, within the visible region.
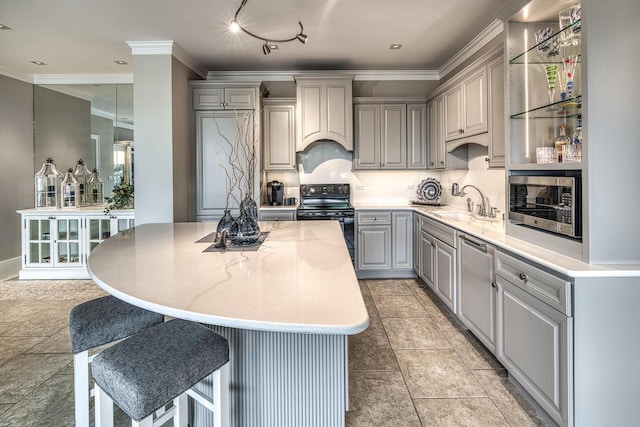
(286, 310)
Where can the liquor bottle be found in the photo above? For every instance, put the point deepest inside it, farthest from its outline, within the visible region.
(563, 139)
(576, 138)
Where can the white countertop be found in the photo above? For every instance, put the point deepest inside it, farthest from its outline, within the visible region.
(301, 279)
(494, 233)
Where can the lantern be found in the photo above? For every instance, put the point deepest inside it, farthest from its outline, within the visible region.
(47, 186)
(95, 189)
(69, 191)
(82, 175)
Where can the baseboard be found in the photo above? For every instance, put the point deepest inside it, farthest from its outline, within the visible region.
(10, 267)
(386, 274)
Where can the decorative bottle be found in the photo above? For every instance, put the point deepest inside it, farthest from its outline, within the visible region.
(563, 139)
(576, 138)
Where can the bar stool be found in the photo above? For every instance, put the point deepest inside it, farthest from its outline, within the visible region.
(149, 370)
(93, 324)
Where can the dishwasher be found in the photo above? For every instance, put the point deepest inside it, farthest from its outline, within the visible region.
(478, 289)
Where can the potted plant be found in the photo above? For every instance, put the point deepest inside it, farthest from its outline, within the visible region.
(122, 197)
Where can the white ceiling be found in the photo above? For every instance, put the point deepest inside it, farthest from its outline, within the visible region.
(86, 36)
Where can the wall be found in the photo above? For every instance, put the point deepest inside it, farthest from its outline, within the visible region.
(16, 176)
(182, 145)
(62, 126)
(104, 128)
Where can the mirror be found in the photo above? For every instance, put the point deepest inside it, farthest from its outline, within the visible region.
(92, 122)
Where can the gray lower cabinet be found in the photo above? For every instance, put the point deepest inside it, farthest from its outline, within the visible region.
(445, 282)
(534, 337)
(427, 257)
(374, 247)
(284, 215)
(402, 240)
(478, 289)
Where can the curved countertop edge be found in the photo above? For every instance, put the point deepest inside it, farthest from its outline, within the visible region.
(495, 235)
(232, 322)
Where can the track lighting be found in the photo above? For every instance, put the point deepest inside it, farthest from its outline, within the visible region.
(266, 49)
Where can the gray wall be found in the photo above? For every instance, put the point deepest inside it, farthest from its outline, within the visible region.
(16, 173)
(62, 128)
(104, 128)
(182, 144)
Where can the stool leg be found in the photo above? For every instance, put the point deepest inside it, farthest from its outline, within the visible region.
(221, 396)
(81, 388)
(181, 418)
(104, 408)
(147, 422)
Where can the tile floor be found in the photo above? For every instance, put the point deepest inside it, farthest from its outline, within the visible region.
(414, 366)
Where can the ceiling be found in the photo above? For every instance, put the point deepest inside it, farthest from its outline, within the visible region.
(85, 37)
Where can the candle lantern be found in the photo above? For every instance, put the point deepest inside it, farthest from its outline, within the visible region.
(47, 186)
(69, 191)
(82, 175)
(95, 189)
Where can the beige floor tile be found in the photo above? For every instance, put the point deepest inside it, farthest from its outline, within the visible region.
(388, 287)
(460, 412)
(35, 328)
(24, 374)
(399, 306)
(437, 374)
(513, 405)
(60, 342)
(11, 347)
(370, 350)
(380, 399)
(4, 408)
(473, 353)
(414, 333)
(364, 289)
(19, 311)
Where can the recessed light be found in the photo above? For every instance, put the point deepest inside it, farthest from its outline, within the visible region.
(121, 62)
(395, 46)
(4, 27)
(38, 62)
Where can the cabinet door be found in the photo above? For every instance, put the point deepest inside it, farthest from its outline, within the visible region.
(416, 136)
(208, 99)
(279, 137)
(477, 300)
(445, 281)
(427, 258)
(497, 112)
(374, 247)
(367, 134)
(474, 90)
(431, 139)
(393, 136)
(38, 240)
(240, 98)
(68, 241)
(453, 114)
(99, 229)
(277, 216)
(310, 100)
(217, 133)
(532, 345)
(339, 115)
(438, 129)
(402, 247)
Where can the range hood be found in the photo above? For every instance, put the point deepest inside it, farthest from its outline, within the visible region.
(324, 109)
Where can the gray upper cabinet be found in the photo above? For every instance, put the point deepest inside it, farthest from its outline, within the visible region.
(417, 136)
(465, 106)
(495, 78)
(224, 98)
(278, 120)
(390, 134)
(324, 110)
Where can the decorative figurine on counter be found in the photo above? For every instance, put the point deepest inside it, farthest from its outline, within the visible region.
(47, 186)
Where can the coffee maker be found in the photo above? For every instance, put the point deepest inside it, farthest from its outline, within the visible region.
(275, 193)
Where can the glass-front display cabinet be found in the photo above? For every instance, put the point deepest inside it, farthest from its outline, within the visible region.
(544, 55)
(101, 227)
(53, 241)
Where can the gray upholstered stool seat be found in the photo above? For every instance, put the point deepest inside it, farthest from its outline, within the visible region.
(93, 324)
(153, 367)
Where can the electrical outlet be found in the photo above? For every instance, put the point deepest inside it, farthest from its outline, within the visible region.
(411, 187)
(360, 187)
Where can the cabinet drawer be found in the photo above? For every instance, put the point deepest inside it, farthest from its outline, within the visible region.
(277, 216)
(549, 288)
(438, 230)
(374, 218)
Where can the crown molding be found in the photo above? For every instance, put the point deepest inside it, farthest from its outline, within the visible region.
(14, 74)
(82, 79)
(71, 91)
(489, 33)
(166, 47)
(359, 75)
(510, 8)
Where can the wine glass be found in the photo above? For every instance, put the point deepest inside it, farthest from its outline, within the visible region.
(569, 68)
(552, 73)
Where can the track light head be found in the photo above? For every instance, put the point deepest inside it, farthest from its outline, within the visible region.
(234, 26)
(302, 38)
(266, 49)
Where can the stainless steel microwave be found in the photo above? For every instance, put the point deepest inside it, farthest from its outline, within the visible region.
(549, 203)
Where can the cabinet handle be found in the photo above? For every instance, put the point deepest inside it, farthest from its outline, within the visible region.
(494, 285)
(486, 159)
(460, 130)
(522, 276)
(442, 162)
(479, 246)
(277, 219)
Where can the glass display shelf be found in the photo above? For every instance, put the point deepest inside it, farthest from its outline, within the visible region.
(571, 107)
(535, 56)
(546, 166)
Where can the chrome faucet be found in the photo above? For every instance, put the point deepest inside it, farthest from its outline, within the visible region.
(484, 209)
